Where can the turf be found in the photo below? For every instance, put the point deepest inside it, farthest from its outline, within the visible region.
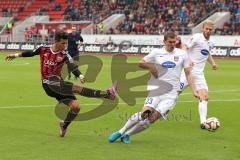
(29, 126)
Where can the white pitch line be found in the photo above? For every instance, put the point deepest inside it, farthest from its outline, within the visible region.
(214, 100)
(217, 91)
(95, 104)
(20, 64)
(37, 106)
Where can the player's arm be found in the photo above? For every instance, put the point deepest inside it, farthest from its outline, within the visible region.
(188, 72)
(145, 63)
(74, 69)
(77, 73)
(10, 57)
(192, 42)
(190, 81)
(212, 62)
(149, 66)
(186, 47)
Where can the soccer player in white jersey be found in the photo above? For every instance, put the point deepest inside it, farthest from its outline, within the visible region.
(199, 48)
(160, 101)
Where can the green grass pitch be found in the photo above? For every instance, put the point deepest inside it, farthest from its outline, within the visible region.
(29, 128)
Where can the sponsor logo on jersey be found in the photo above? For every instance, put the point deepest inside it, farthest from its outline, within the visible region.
(49, 63)
(168, 64)
(204, 52)
(59, 59)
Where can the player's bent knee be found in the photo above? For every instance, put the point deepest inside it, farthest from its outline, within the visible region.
(203, 94)
(146, 114)
(74, 105)
(204, 97)
(155, 116)
(76, 88)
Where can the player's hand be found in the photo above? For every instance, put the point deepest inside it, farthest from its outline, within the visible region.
(10, 57)
(154, 72)
(195, 94)
(214, 66)
(82, 78)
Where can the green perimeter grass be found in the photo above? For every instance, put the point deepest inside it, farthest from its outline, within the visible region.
(30, 132)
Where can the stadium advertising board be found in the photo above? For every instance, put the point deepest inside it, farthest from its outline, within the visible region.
(223, 51)
(2, 46)
(234, 52)
(229, 41)
(92, 48)
(13, 46)
(27, 47)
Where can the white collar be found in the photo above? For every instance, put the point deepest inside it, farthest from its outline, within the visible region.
(53, 51)
(166, 52)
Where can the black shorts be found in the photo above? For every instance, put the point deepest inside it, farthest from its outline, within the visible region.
(55, 87)
(76, 58)
(74, 54)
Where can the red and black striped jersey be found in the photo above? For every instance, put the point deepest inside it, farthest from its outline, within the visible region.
(51, 62)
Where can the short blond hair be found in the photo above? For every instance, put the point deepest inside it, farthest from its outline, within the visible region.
(208, 22)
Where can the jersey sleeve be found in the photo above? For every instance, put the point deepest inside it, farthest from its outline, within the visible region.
(35, 52)
(73, 67)
(192, 42)
(69, 58)
(151, 56)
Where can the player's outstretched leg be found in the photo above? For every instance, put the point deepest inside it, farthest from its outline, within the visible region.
(139, 127)
(125, 139)
(112, 90)
(87, 92)
(114, 136)
(130, 123)
(148, 116)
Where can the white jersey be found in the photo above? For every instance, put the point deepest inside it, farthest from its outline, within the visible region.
(199, 50)
(171, 65)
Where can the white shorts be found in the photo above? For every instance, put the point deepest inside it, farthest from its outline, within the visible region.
(199, 80)
(162, 104)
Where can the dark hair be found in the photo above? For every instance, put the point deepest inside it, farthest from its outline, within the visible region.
(169, 35)
(60, 35)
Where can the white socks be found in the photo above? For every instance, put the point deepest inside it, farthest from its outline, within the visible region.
(202, 109)
(131, 122)
(139, 127)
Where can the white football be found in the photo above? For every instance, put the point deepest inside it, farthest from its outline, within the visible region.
(212, 124)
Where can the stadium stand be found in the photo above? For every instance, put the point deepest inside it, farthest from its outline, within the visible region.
(11, 8)
(150, 17)
(233, 26)
(156, 17)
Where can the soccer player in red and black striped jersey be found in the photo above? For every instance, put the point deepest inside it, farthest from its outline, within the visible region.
(52, 59)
